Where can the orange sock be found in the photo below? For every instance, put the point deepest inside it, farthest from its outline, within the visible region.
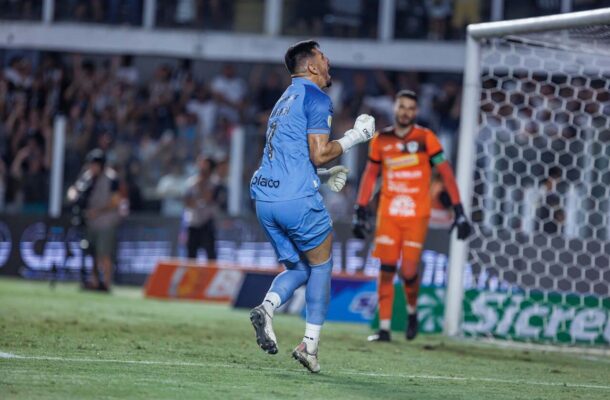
(411, 291)
(385, 291)
(411, 282)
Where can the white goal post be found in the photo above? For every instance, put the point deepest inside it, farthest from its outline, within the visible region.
(535, 123)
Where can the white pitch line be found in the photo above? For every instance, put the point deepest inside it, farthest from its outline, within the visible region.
(9, 356)
(511, 345)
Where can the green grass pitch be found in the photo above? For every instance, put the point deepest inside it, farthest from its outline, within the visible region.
(61, 343)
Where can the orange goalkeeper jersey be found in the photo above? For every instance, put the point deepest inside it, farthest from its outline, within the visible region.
(405, 170)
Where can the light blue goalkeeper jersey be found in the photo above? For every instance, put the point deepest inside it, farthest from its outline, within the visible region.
(286, 171)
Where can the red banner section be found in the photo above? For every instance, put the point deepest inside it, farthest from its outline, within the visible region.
(184, 279)
(353, 297)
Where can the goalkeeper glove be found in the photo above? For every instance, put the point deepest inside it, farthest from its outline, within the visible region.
(464, 229)
(360, 224)
(363, 131)
(337, 176)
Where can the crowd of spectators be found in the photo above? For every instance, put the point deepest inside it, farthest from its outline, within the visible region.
(154, 125)
(413, 19)
(125, 12)
(21, 9)
(204, 14)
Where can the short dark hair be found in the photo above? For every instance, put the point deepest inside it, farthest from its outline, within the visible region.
(298, 52)
(96, 156)
(409, 94)
(209, 160)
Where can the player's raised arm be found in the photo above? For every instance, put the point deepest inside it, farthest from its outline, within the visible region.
(321, 150)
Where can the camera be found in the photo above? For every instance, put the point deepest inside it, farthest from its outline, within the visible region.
(82, 189)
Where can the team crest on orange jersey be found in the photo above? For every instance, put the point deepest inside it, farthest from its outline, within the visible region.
(412, 147)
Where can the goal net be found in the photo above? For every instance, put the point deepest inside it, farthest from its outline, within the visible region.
(538, 176)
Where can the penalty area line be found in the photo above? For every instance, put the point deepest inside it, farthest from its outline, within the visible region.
(10, 356)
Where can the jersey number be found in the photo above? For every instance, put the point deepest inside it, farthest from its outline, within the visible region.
(270, 133)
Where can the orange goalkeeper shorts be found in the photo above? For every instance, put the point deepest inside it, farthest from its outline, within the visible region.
(394, 235)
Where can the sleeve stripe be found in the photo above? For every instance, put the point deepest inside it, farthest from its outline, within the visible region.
(318, 130)
(374, 161)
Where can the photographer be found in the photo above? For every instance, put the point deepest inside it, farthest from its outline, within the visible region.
(200, 210)
(96, 198)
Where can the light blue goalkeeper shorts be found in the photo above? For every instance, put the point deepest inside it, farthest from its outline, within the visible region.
(294, 226)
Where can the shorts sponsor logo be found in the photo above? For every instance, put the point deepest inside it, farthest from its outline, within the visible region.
(265, 182)
(402, 206)
(410, 243)
(385, 239)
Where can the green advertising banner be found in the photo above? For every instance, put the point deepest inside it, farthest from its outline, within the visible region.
(541, 317)
(430, 310)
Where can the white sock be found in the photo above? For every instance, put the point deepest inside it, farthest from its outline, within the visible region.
(384, 324)
(271, 302)
(411, 310)
(312, 337)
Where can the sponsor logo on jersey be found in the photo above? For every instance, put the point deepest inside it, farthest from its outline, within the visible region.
(408, 174)
(265, 182)
(407, 160)
(399, 187)
(402, 206)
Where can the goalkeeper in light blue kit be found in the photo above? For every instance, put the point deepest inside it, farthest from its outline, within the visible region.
(288, 205)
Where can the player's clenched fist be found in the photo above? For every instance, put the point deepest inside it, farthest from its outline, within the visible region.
(363, 131)
(365, 124)
(337, 176)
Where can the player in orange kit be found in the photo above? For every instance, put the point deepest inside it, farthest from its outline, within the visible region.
(404, 154)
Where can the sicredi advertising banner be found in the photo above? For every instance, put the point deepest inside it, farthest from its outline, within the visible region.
(544, 317)
(541, 317)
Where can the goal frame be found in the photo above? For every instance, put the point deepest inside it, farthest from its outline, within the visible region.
(469, 128)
